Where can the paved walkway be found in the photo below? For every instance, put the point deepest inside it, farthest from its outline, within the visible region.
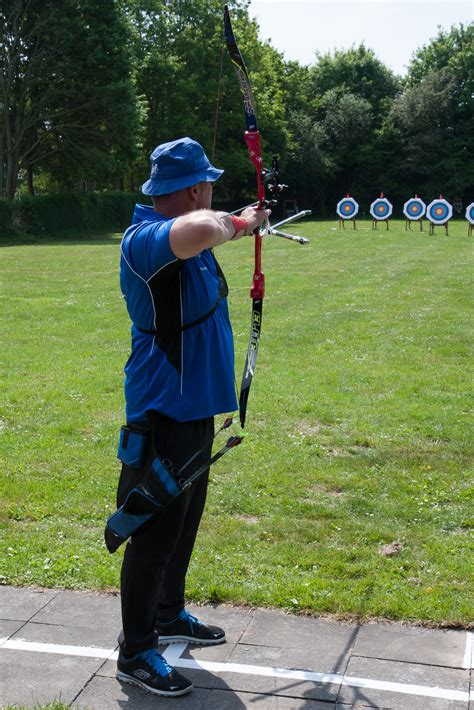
(62, 645)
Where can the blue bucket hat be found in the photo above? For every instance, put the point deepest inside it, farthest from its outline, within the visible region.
(178, 164)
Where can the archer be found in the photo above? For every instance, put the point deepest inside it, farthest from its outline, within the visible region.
(180, 374)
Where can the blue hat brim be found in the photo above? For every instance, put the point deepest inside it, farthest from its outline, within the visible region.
(165, 186)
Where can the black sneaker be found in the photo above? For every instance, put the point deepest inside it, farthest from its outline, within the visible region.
(150, 671)
(187, 628)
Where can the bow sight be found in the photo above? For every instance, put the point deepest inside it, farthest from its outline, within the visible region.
(270, 179)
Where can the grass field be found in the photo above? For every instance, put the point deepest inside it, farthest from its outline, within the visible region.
(351, 492)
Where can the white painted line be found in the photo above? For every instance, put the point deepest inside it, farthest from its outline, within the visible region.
(467, 660)
(407, 688)
(267, 671)
(63, 649)
(173, 652)
(244, 669)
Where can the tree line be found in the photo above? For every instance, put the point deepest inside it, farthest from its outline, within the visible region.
(90, 87)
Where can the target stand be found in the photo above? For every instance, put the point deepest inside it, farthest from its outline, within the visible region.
(409, 222)
(439, 212)
(414, 210)
(342, 223)
(380, 209)
(347, 209)
(470, 218)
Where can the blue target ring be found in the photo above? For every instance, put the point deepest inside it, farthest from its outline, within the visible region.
(347, 208)
(470, 213)
(414, 209)
(439, 211)
(381, 209)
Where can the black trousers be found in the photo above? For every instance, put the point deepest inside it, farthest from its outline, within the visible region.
(157, 557)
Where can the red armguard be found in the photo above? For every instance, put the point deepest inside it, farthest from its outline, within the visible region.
(239, 223)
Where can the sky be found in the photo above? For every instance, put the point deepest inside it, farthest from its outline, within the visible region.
(394, 29)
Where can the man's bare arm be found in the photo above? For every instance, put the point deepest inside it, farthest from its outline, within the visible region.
(203, 229)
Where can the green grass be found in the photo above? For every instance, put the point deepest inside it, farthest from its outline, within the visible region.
(358, 430)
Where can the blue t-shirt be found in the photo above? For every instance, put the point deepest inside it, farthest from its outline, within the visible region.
(181, 368)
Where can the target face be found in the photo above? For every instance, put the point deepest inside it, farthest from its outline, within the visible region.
(470, 213)
(439, 211)
(347, 208)
(414, 209)
(381, 208)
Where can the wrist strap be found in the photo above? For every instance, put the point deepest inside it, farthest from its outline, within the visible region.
(239, 223)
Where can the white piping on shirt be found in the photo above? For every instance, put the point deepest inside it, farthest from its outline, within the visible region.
(146, 281)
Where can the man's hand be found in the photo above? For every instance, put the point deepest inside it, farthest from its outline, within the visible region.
(254, 218)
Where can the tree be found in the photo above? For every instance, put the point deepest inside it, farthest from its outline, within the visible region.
(349, 95)
(68, 104)
(310, 166)
(434, 115)
(355, 71)
(23, 61)
(184, 73)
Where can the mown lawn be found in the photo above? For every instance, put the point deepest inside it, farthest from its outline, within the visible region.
(351, 493)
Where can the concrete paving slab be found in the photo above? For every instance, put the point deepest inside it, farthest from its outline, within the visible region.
(82, 610)
(220, 653)
(229, 700)
(303, 659)
(406, 674)
(345, 706)
(69, 635)
(19, 603)
(239, 674)
(107, 670)
(105, 694)
(330, 642)
(202, 678)
(400, 642)
(31, 678)
(108, 694)
(272, 685)
(8, 628)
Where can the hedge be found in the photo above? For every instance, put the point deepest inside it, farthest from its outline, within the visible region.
(74, 212)
(6, 217)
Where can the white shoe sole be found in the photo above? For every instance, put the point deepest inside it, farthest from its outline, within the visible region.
(190, 639)
(135, 681)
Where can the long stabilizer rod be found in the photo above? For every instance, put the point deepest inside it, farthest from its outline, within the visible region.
(303, 213)
(292, 237)
(273, 228)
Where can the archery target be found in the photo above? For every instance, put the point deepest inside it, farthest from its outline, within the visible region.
(470, 213)
(414, 208)
(381, 208)
(347, 208)
(439, 211)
